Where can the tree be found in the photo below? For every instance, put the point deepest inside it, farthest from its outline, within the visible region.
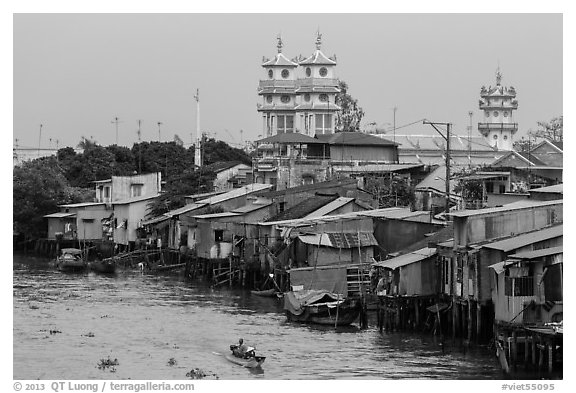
(390, 191)
(349, 117)
(552, 130)
(216, 151)
(191, 181)
(39, 186)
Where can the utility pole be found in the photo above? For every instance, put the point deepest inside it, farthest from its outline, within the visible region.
(470, 113)
(394, 126)
(116, 121)
(197, 157)
(159, 138)
(447, 139)
(39, 139)
(139, 148)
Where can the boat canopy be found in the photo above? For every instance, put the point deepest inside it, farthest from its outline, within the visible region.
(296, 302)
(74, 251)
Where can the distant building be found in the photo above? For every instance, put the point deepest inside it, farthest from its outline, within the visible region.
(498, 104)
(229, 174)
(293, 103)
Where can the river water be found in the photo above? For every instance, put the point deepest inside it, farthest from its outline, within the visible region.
(64, 324)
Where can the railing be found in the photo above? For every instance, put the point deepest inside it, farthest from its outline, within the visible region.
(519, 286)
(309, 82)
(277, 83)
(498, 126)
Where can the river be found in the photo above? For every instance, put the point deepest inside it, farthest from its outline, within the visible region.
(162, 326)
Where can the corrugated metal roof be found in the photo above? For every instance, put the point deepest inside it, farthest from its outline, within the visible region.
(235, 193)
(251, 207)
(330, 207)
(379, 168)
(511, 206)
(538, 253)
(185, 209)
(555, 189)
(290, 137)
(135, 199)
(217, 215)
(354, 139)
(339, 239)
(525, 239)
(81, 204)
(60, 215)
(155, 220)
(407, 259)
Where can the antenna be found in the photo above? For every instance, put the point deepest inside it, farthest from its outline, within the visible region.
(394, 126)
(116, 121)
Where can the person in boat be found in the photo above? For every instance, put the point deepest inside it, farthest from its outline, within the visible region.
(242, 350)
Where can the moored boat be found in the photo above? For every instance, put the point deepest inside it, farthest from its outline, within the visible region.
(321, 307)
(103, 266)
(70, 260)
(266, 293)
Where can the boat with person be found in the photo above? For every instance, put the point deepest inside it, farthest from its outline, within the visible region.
(272, 292)
(321, 307)
(246, 358)
(71, 260)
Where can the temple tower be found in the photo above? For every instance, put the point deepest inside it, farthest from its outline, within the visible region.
(498, 104)
(278, 94)
(316, 93)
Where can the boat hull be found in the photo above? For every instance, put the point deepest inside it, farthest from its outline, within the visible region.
(252, 362)
(321, 307)
(266, 293)
(345, 315)
(103, 267)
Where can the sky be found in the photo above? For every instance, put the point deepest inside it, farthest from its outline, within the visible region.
(74, 73)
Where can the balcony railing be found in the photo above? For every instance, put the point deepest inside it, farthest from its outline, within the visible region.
(309, 82)
(277, 83)
(498, 126)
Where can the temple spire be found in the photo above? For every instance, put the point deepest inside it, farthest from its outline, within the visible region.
(498, 76)
(280, 44)
(318, 40)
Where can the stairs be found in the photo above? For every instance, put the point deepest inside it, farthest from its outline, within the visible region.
(357, 279)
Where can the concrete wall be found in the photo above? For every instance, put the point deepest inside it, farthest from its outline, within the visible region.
(89, 222)
(122, 186)
(495, 200)
(134, 213)
(221, 181)
(58, 225)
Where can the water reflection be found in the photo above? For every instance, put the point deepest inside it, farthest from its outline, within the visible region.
(64, 324)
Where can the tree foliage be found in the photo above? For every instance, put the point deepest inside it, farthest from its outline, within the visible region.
(349, 118)
(39, 186)
(552, 130)
(391, 191)
(43, 184)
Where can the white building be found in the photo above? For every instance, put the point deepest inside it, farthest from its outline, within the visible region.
(498, 104)
(300, 100)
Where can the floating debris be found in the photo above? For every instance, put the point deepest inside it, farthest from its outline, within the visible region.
(33, 306)
(172, 362)
(197, 373)
(104, 316)
(108, 363)
(89, 334)
(55, 331)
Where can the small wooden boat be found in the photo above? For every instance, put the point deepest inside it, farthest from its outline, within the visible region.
(321, 307)
(71, 260)
(266, 293)
(249, 360)
(252, 362)
(103, 266)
